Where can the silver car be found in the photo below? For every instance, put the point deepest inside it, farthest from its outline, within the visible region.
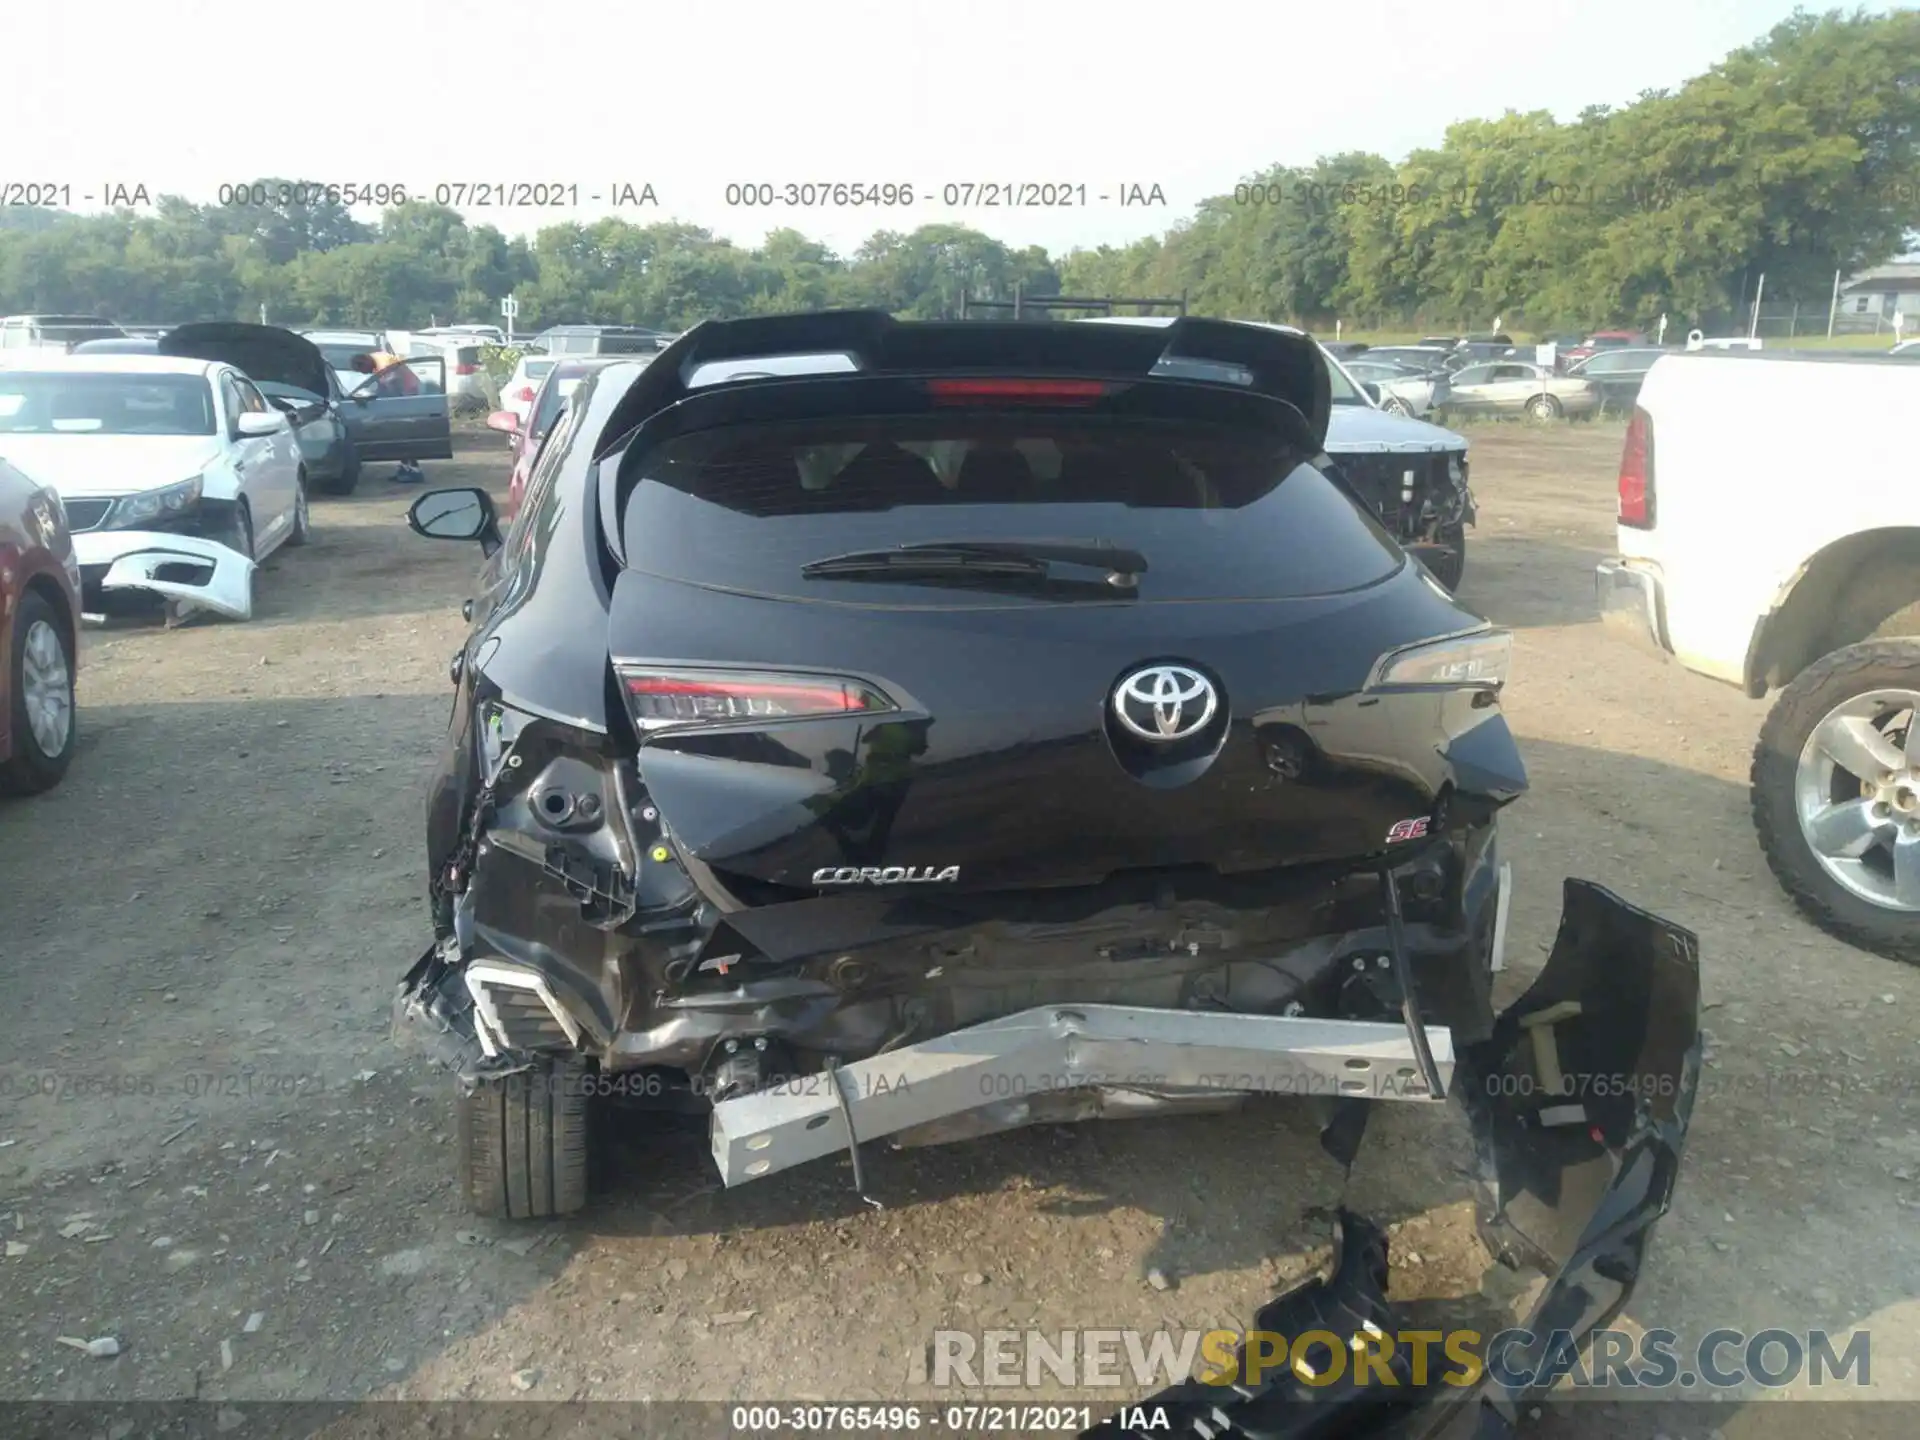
(1514, 387)
(1399, 389)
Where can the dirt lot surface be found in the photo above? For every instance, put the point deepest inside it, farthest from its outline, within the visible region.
(212, 1154)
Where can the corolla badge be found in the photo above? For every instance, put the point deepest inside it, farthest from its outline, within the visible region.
(1165, 702)
(886, 875)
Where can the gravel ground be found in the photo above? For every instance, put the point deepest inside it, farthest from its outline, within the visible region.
(209, 1152)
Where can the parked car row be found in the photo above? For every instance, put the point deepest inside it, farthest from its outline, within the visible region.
(184, 461)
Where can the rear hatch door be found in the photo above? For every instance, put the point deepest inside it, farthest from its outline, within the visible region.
(821, 703)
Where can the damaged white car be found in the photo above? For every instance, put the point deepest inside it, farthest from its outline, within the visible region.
(177, 475)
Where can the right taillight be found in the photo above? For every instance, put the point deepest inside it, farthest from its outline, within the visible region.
(525, 392)
(1476, 660)
(1636, 472)
(659, 698)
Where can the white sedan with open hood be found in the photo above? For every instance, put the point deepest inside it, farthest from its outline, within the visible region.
(178, 476)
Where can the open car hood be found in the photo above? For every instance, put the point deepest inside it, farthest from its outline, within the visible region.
(265, 353)
(1570, 1184)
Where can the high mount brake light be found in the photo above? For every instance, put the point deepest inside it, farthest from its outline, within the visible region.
(994, 391)
(659, 698)
(1636, 473)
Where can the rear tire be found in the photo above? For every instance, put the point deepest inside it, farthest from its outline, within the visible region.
(43, 653)
(1775, 784)
(523, 1143)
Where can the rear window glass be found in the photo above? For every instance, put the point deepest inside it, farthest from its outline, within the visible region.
(1219, 514)
(554, 395)
(344, 357)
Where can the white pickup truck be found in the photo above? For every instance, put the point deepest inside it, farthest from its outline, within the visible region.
(1769, 534)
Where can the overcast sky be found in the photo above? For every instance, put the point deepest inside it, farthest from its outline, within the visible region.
(182, 96)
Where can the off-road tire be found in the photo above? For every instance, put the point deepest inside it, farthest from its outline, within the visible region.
(1874, 665)
(30, 769)
(1449, 571)
(523, 1143)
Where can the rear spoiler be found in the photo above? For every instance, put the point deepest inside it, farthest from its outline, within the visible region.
(1256, 359)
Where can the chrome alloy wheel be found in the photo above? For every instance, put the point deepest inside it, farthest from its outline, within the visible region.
(46, 682)
(1857, 796)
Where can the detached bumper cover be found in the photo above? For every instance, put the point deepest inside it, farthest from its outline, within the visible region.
(1631, 603)
(1571, 1183)
(184, 568)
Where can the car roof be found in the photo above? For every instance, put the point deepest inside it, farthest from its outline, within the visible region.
(121, 364)
(341, 334)
(574, 364)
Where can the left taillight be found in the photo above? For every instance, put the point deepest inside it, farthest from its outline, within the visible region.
(659, 698)
(466, 369)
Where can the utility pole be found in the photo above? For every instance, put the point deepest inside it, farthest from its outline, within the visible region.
(1753, 325)
(1833, 306)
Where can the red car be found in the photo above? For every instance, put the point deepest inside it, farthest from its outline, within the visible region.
(1602, 340)
(525, 442)
(39, 635)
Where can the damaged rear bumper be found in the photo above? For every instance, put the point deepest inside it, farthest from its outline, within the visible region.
(191, 571)
(1580, 1102)
(1040, 1056)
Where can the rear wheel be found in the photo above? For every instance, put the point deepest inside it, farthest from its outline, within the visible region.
(42, 691)
(523, 1143)
(1544, 407)
(1836, 795)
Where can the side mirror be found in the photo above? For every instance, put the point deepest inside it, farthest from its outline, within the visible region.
(463, 513)
(1372, 389)
(504, 420)
(254, 424)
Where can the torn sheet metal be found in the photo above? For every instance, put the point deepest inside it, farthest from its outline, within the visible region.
(202, 574)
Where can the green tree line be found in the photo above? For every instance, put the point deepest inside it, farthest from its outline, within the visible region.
(1794, 157)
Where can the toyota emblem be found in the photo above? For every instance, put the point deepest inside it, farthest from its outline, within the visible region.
(1165, 702)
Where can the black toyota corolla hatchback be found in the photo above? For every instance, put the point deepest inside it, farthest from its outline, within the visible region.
(874, 729)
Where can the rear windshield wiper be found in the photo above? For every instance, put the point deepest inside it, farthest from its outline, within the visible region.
(1024, 558)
